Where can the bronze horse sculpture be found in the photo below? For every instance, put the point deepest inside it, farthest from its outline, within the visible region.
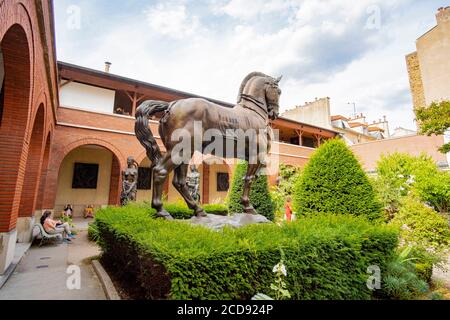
(258, 102)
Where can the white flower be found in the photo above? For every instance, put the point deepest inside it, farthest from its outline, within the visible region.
(280, 268)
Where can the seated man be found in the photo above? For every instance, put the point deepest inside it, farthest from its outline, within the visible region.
(56, 227)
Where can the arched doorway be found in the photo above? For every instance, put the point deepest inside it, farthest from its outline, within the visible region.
(88, 175)
(15, 75)
(32, 174)
(217, 176)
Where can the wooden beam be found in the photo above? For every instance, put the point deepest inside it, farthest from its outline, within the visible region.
(319, 139)
(300, 137)
(65, 83)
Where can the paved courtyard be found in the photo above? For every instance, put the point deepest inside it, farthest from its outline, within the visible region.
(42, 273)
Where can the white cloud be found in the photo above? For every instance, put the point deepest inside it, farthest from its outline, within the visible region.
(321, 47)
(172, 19)
(246, 10)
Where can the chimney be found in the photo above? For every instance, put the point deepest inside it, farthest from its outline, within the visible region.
(107, 66)
(443, 15)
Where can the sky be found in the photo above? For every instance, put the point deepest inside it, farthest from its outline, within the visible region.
(351, 51)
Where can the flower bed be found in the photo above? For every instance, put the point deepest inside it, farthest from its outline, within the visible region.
(326, 256)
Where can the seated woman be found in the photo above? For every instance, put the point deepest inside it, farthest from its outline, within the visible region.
(68, 211)
(56, 227)
(89, 211)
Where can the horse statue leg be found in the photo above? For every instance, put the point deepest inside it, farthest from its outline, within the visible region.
(248, 179)
(179, 182)
(160, 174)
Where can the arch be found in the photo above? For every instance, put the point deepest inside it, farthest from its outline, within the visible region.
(33, 165)
(92, 141)
(89, 151)
(15, 47)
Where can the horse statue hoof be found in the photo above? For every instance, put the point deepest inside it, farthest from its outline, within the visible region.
(250, 210)
(201, 214)
(164, 214)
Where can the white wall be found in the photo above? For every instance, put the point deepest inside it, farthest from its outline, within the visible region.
(82, 96)
(316, 113)
(2, 69)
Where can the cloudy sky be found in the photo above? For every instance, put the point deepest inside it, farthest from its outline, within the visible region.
(348, 50)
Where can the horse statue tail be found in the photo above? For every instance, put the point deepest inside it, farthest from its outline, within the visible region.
(142, 130)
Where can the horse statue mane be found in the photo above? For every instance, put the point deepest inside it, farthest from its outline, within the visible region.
(246, 80)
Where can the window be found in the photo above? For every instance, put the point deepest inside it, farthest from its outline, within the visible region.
(85, 176)
(308, 142)
(223, 182)
(295, 140)
(144, 179)
(122, 104)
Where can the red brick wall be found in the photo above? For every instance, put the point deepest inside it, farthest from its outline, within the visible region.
(30, 81)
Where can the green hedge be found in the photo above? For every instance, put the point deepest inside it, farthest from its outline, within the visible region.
(326, 256)
(333, 181)
(180, 210)
(260, 196)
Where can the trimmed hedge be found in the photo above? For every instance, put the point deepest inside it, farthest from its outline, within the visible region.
(326, 256)
(334, 182)
(180, 210)
(260, 196)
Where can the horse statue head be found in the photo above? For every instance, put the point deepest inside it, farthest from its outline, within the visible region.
(263, 91)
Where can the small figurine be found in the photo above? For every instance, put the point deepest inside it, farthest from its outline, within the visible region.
(129, 182)
(193, 183)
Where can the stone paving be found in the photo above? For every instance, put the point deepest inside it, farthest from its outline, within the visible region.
(443, 275)
(42, 273)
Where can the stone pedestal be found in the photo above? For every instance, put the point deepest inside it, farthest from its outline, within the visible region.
(216, 222)
(25, 229)
(7, 248)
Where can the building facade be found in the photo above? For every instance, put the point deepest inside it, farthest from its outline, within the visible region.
(353, 130)
(429, 65)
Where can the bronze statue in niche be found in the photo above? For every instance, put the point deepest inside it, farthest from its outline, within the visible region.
(129, 182)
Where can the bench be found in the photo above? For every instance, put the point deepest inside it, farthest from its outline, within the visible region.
(44, 235)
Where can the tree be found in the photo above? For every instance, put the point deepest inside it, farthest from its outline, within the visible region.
(399, 174)
(259, 195)
(334, 182)
(435, 120)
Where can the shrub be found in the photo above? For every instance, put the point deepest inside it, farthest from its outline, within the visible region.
(180, 210)
(422, 225)
(218, 209)
(259, 195)
(401, 281)
(333, 181)
(93, 234)
(402, 173)
(326, 256)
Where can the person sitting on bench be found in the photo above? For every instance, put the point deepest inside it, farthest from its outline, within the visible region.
(56, 227)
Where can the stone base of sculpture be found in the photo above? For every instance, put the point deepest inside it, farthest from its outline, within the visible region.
(217, 222)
